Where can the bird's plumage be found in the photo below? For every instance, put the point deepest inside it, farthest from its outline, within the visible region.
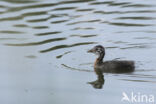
(113, 66)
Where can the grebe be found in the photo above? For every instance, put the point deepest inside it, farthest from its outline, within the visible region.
(113, 66)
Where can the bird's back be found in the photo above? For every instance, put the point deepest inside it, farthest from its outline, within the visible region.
(116, 66)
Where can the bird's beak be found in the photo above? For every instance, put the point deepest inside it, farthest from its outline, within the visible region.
(90, 51)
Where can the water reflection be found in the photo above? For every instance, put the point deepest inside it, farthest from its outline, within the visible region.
(98, 84)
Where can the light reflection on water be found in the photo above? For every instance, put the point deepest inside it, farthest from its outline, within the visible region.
(44, 43)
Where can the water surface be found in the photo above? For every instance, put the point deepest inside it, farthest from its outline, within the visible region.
(44, 43)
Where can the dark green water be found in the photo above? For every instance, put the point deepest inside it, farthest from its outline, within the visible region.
(44, 42)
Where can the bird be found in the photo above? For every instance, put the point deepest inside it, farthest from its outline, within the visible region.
(112, 66)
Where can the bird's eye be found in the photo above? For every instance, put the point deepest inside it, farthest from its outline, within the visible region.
(98, 50)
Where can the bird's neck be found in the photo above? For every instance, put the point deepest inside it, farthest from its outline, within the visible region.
(99, 60)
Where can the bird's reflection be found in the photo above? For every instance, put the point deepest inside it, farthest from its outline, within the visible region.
(98, 84)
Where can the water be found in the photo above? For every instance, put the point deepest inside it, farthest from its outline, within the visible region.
(44, 43)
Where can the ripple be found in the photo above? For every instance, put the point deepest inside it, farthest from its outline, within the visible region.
(83, 10)
(146, 31)
(109, 12)
(66, 46)
(59, 21)
(13, 18)
(58, 15)
(40, 27)
(137, 18)
(49, 17)
(21, 25)
(48, 33)
(101, 3)
(144, 75)
(127, 24)
(138, 5)
(140, 77)
(15, 9)
(125, 12)
(121, 4)
(75, 1)
(13, 39)
(60, 56)
(37, 43)
(85, 64)
(138, 47)
(76, 69)
(82, 36)
(11, 32)
(112, 47)
(138, 80)
(20, 1)
(35, 13)
(3, 6)
(38, 20)
(146, 38)
(83, 28)
(64, 8)
(89, 21)
(31, 56)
